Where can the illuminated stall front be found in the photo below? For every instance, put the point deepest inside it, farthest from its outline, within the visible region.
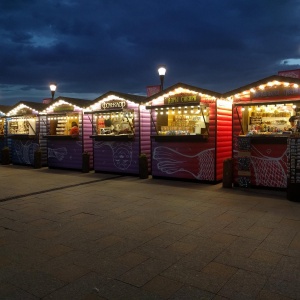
(121, 132)
(24, 132)
(3, 142)
(190, 133)
(68, 131)
(261, 128)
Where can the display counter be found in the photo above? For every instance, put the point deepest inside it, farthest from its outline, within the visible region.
(61, 137)
(24, 133)
(180, 138)
(68, 132)
(121, 132)
(190, 133)
(113, 137)
(263, 114)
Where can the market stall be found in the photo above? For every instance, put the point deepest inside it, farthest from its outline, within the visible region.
(68, 131)
(24, 132)
(190, 133)
(121, 132)
(3, 143)
(261, 128)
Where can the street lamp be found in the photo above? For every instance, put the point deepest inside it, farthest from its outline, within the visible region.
(53, 89)
(162, 71)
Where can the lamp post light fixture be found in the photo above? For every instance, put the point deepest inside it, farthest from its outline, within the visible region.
(53, 89)
(162, 71)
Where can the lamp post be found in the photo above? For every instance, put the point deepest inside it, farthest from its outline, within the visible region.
(53, 89)
(162, 71)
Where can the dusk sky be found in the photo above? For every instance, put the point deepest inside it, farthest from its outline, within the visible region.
(90, 47)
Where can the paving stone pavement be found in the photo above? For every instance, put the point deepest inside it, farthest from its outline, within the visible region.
(72, 235)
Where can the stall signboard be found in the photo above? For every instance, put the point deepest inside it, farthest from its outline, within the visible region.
(63, 107)
(113, 104)
(24, 111)
(182, 99)
(278, 92)
(290, 73)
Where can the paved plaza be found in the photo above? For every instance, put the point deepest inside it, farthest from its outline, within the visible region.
(73, 235)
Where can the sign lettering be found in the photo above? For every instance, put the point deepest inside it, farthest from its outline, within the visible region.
(63, 107)
(113, 104)
(275, 92)
(182, 99)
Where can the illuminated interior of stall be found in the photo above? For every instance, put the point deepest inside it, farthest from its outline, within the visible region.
(22, 125)
(270, 118)
(60, 124)
(115, 122)
(182, 120)
(264, 117)
(22, 120)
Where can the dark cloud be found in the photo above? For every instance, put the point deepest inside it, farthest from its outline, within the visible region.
(90, 47)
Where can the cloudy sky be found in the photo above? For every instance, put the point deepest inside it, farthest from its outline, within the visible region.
(90, 47)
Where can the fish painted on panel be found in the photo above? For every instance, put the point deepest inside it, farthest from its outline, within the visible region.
(170, 161)
(269, 170)
(58, 153)
(122, 153)
(25, 152)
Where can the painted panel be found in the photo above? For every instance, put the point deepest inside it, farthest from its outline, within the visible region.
(269, 165)
(184, 160)
(65, 154)
(116, 157)
(22, 151)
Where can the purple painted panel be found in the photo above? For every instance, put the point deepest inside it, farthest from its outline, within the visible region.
(65, 153)
(22, 151)
(184, 160)
(117, 157)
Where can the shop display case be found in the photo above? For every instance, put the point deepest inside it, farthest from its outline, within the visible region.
(262, 112)
(115, 123)
(65, 147)
(60, 124)
(190, 133)
(24, 132)
(121, 132)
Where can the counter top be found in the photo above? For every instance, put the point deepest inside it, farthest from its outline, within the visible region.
(180, 138)
(108, 137)
(267, 138)
(22, 136)
(61, 137)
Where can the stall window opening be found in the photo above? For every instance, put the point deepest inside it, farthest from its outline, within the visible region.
(62, 124)
(267, 118)
(115, 123)
(22, 125)
(182, 120)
